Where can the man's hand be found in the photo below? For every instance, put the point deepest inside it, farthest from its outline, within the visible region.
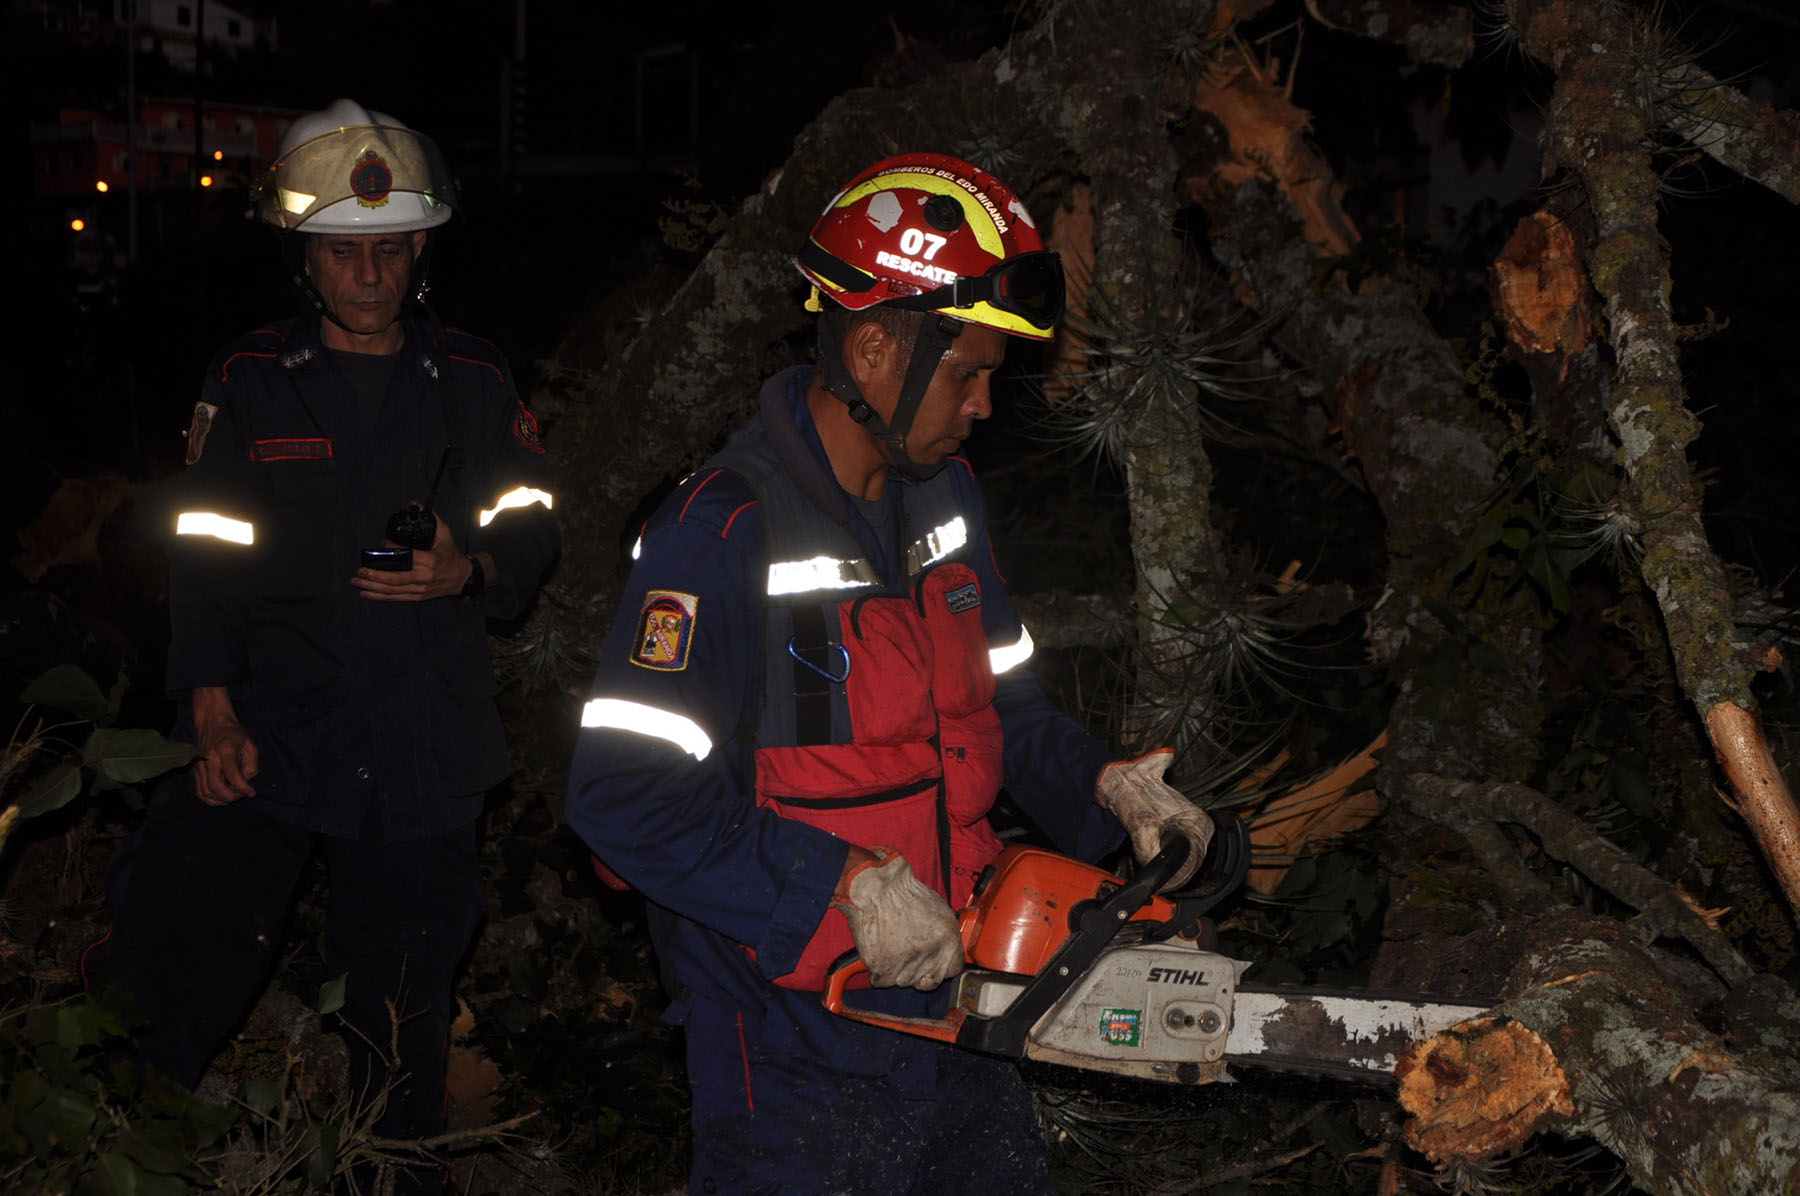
(437, 572)
(904, 931)
(227, 759)
(1135, 791)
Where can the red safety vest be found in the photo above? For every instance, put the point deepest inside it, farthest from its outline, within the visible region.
(877, 721)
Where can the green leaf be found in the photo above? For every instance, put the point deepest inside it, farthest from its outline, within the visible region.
(70, 1116)
(77, 1025)
(53, 790)
(321, 1145)
(164, 1158)
(133, 756)
(262, 1092)
(68, 687)
(1515, 538)
(331, 994)
(114, 1175)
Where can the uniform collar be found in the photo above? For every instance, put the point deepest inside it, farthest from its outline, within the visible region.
(795, 439)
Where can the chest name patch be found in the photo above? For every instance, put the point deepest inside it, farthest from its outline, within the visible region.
(309, 448)
(963, 598)
(665, 630)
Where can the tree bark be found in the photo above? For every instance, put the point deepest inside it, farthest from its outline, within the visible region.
(1599, 132)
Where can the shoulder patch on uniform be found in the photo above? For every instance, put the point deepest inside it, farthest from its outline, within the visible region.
(198, 428)
(665, 630)
(963, 598)
(525, 429)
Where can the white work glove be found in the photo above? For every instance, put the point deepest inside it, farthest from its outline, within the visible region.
(1136, 793)
(904, 931)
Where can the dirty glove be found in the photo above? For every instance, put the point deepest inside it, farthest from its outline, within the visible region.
(904, 931)
(1135, 791)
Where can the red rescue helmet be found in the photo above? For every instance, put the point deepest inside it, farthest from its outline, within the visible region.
(930, 232)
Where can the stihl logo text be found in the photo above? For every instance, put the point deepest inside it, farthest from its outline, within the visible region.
(1176, 976)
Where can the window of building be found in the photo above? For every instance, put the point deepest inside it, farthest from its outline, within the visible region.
(234, 28)
(184, 16)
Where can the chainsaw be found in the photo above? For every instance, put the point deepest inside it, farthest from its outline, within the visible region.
(1068, 963)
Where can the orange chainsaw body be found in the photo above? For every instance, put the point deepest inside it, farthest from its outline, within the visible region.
(1023, 908)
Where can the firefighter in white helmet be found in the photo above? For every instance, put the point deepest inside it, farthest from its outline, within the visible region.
(364, 490)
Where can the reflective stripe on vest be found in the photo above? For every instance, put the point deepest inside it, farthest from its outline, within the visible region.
(820, 573)
(936, 545)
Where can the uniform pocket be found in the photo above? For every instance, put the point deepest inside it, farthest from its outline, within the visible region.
(904, 818)
(305, 498)
(948, 599)
(888, 686)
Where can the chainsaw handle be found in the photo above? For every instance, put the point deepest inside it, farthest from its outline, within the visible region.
(847, 967)
(1172, 853)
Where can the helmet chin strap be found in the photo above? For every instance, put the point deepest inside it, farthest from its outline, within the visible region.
(936, 335)
(293, 255)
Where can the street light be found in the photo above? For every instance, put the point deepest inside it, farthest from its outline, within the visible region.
(100, 186)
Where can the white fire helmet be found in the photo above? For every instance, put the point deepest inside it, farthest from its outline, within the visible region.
(346, 169)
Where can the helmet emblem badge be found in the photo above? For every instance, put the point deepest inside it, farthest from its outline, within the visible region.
(371, 180)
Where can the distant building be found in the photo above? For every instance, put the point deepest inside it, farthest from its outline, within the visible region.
(172, 28)
(86, 148)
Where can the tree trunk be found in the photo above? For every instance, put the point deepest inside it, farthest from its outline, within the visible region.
(1598, 129)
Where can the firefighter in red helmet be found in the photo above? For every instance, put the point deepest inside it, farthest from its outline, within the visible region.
(814, 692)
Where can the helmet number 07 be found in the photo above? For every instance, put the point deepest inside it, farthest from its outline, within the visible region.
(913, 240)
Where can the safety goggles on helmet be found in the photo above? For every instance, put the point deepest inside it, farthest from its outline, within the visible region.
(1029, 286)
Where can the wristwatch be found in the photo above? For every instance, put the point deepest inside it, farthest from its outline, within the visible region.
(477, 579)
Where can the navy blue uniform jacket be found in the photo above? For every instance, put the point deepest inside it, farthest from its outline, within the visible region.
(356, 706)
(684, 829)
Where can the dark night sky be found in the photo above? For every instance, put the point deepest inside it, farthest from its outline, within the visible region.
(109, 389)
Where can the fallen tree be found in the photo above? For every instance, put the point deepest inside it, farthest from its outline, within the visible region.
(1178, 172)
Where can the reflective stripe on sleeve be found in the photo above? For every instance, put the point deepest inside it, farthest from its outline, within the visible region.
(819, 573)
(620, 715)
(523, 496)
(219, 527)
(1012, 655)
(936, 544)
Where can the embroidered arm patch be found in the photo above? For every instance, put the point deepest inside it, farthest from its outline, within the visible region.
(197, 430)
(665, 630)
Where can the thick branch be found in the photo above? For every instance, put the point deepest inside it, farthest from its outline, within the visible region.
(1759, 142)
(1466, 806)
(1598, 132)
